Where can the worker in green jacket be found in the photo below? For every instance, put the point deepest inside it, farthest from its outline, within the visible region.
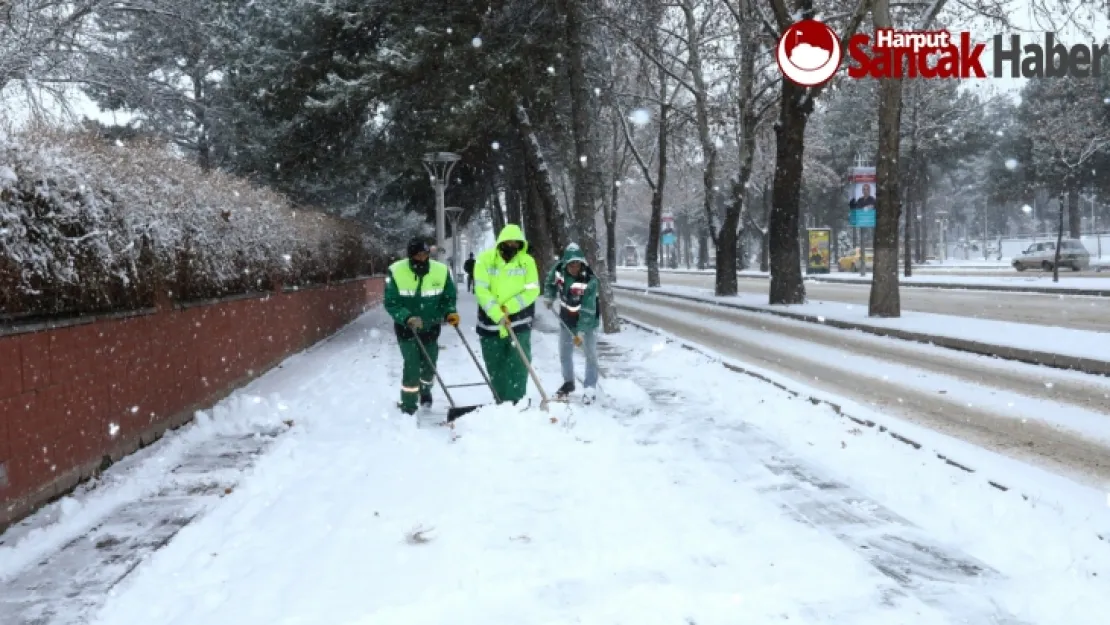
(506, 284)
(419, 296)
(574, 284)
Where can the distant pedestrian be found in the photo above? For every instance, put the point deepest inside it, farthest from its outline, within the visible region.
(468, 267)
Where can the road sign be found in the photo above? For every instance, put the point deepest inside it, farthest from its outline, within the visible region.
(862, 218)
(669, 238)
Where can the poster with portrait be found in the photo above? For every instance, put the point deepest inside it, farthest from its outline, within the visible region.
(861, 181)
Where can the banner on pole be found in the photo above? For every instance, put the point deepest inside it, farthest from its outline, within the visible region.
(861, 181)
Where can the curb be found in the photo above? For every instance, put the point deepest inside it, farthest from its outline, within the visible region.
(951, 286)
(1028, 356)
(836, 408)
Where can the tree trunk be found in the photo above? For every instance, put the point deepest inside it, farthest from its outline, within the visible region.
(540, 174)
(786, 269)
(585, 211)
(907, 244)
(701, 114)
(885, 301)
(727, 241)
(1059, 239)
(611, 236)
(1074, 219)
(498, 213)
(540, 245)
(655, 226)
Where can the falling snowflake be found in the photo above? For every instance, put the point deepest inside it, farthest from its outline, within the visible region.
(582, 159)
(1011, 164)
(640, 117)
(134, 409)
(449, 31)
(495, 145)
(113, 429)
(550, 69)
(476, 42)
(472, 87)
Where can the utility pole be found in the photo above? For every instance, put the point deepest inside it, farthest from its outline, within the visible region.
(439, 166)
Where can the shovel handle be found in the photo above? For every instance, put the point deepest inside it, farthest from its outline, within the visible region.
(474, 357)
(435, 370)
(531, 371)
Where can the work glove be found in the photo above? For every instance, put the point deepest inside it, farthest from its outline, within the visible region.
(577, 340)
(416, 323)
(453, 319)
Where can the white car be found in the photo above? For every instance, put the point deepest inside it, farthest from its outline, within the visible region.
(1043, 255)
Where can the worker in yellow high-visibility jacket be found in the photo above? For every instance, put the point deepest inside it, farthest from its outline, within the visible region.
(506, 284)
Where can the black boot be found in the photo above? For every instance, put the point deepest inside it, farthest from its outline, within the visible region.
(566, 389)
(426, 398)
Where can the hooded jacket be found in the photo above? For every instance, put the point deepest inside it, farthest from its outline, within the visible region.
(514, 284)
(577, 294)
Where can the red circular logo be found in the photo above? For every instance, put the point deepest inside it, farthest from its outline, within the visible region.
(808, 53)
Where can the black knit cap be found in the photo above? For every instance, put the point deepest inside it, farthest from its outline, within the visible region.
(417, 245)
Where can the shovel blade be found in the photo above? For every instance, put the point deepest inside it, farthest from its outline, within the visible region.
(455, 413)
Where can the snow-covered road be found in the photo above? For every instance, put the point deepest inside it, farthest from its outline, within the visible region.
(1076, 312)
(1058, 418)
(690, 495)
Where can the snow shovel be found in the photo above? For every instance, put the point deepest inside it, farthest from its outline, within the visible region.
(454, 412)
(477, 364)
(535, 378)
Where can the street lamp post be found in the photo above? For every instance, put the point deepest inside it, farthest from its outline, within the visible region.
(455, 212)
(439, 166)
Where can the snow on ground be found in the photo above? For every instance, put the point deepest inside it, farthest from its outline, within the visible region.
(1090, 424)
(958, 279)
(1053, 340)
(1023, 281)
(690, 495)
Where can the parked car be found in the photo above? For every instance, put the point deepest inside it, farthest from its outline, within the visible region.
(851, 261)
(1043, 255)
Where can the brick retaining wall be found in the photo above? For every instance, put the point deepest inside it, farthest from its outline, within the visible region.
(80, 394)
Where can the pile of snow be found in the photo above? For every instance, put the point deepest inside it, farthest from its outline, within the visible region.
(87, 226)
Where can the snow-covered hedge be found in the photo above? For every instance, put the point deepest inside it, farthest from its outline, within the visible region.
(90, 226)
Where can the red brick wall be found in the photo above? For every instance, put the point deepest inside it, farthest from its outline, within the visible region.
(62, 388)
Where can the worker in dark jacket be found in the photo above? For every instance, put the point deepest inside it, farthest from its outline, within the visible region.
(419, 296)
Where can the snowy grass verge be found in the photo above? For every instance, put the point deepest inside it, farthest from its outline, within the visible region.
(91, 226)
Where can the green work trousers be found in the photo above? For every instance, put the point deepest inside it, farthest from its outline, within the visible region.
(507, 372)
(417, 376)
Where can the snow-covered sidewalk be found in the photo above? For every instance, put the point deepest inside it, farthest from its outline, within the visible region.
(689, 495)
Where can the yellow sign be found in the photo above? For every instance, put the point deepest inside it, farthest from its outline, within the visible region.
(819, 251)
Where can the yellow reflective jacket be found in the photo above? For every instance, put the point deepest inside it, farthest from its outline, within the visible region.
(514, 284)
